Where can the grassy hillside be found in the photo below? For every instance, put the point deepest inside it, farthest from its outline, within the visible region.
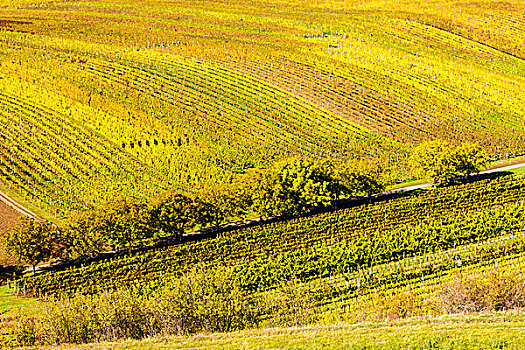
(387, 258)
(102, 98)
(105, 98)
(491, 331)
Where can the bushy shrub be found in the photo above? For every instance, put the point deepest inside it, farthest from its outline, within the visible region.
(495, 290)
(203, 301)
(103, 317)
(26, 331)
(403, 303)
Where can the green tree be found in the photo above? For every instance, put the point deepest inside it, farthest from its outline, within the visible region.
(324, 182)
(293, 185)
(84, 234)
(224, 203)
(275, 191)
(469, 158)
(31, 241)
(362, 178)
(173, 212)
(124, 220)
(433, 160)
(440, 162)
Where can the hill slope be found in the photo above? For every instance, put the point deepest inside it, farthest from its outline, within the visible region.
(102, 98)
(346, 254)
(491, 331)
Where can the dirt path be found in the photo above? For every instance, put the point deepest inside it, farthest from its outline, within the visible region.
(14, 205)
(504, 168)
(428, 184)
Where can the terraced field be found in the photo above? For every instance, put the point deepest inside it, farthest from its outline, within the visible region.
(102, 98)
(384, 259)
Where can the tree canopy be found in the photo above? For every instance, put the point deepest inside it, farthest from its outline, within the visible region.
(31, 241)
(288, 187)
(440, 162)
(293, 185)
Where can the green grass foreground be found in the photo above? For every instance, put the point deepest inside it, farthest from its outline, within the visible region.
(495, 331)
(519, 171)
(12, 304)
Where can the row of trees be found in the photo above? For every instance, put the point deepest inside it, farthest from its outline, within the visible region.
(289, 187)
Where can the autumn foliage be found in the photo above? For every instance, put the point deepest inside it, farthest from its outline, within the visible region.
(439, 162)
(289, 187)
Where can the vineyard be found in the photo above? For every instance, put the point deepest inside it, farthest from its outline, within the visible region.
(345, 257)
(102, 98)
(127, 124)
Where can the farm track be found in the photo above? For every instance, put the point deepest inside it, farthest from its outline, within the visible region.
(10, 203)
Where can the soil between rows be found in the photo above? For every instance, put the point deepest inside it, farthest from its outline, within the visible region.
(8, 216)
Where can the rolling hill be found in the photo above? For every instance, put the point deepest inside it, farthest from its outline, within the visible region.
(105, 97)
